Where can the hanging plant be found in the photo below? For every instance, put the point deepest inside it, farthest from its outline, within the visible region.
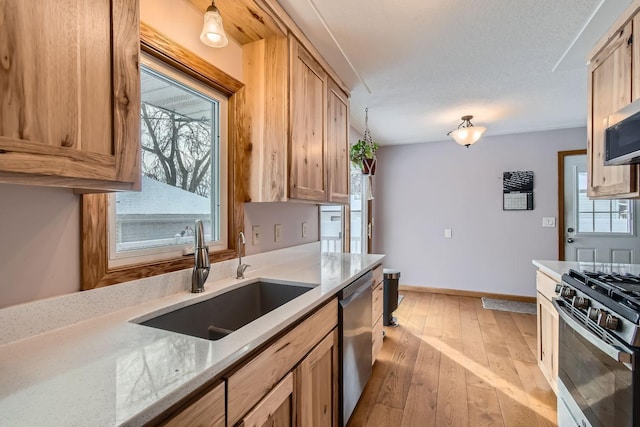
(363, 152)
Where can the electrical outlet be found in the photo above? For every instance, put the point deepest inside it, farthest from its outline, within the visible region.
(447, 233)
(255, 231)
(277, 232)
(304, 230)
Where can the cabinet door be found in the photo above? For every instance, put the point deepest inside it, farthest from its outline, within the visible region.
(275, 410)
(308, 90)
(338, 170)
(610, 85)
(548, 341)
(69, 99)
(317, 385)
(207, 411)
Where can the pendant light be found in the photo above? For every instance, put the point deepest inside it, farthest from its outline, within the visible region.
(212, 31)
(467, 134)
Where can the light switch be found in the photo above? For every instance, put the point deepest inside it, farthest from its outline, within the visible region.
(255, 231)
(304, 230)
(549, 222)
(277, 232)
(447, 233)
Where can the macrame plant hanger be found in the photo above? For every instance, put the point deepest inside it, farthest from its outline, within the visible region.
(369, 164)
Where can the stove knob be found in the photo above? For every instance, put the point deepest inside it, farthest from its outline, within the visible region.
(580, 302)
(567, 292)
(559, 288)
(593, 313)
(611, 322)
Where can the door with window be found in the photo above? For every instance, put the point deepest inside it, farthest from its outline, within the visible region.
(596, 230)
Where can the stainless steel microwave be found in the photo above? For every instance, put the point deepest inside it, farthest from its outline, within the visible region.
(622, 136)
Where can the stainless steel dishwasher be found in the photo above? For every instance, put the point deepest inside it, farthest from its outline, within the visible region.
(355, 342)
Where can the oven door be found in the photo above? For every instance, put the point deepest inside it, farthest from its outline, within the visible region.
(598, 377)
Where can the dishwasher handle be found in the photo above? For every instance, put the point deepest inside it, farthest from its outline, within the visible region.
(356, 288)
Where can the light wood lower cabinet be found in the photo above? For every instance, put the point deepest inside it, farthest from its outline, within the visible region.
(275, 410)
(206, 411)
(547, 330)
(316, 388)
(249, 384)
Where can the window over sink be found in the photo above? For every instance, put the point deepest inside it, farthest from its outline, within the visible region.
(199, 85)
(184, 170)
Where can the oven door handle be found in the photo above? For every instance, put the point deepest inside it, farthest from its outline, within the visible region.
(613, 352)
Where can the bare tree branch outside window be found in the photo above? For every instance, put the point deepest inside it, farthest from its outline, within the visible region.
(176, 149)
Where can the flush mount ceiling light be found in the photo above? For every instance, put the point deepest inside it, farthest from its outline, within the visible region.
(467, 134)
(212, 31)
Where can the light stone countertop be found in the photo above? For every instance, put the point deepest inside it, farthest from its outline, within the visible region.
(106, 370)
(555, 269)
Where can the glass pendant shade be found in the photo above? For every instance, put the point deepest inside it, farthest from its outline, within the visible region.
(212, 31)
(468, 136)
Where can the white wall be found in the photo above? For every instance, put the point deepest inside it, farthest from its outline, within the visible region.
(40, 227)
(422, 189)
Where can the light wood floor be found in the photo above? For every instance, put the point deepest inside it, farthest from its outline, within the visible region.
(453, 363)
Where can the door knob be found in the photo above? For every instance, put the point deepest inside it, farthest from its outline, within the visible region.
(569, 240)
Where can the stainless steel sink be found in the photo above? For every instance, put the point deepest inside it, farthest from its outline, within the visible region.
(217, 317)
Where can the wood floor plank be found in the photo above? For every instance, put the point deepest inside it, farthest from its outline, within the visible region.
(464, 354)
(366, 403)
(484, 316)
(518, 347)
(484, 408)
(514, 402)
(541, 396)
(452, 406)
(526, 323)
(473, 349)
(385, 416)
(434, 316)
(422, 399)
(397, 381)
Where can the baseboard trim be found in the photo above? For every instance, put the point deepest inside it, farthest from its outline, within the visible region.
(462, 293)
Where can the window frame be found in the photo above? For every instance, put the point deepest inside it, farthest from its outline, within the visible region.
(95, 245)
(158, 253)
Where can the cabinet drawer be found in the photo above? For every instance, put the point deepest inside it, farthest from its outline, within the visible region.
(546, 285)
(377, 301)
(377, 275)
(250, 383)
(377, 340)
(207, 411)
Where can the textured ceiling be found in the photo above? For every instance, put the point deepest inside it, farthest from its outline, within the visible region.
(429, 62)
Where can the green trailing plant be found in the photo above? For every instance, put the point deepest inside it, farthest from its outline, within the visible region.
(362, 150)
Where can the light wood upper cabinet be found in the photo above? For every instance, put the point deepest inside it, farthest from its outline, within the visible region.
(611, 82)
(288, 146)
(307, 113)
(337, 144)
(70, 93)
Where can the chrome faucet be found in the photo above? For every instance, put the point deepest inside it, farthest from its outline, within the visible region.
(241, 267)
(202, 263)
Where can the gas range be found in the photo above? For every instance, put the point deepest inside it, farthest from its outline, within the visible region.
(605, 302)
(598, 349)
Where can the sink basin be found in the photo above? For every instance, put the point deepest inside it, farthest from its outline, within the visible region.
(217, 317)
